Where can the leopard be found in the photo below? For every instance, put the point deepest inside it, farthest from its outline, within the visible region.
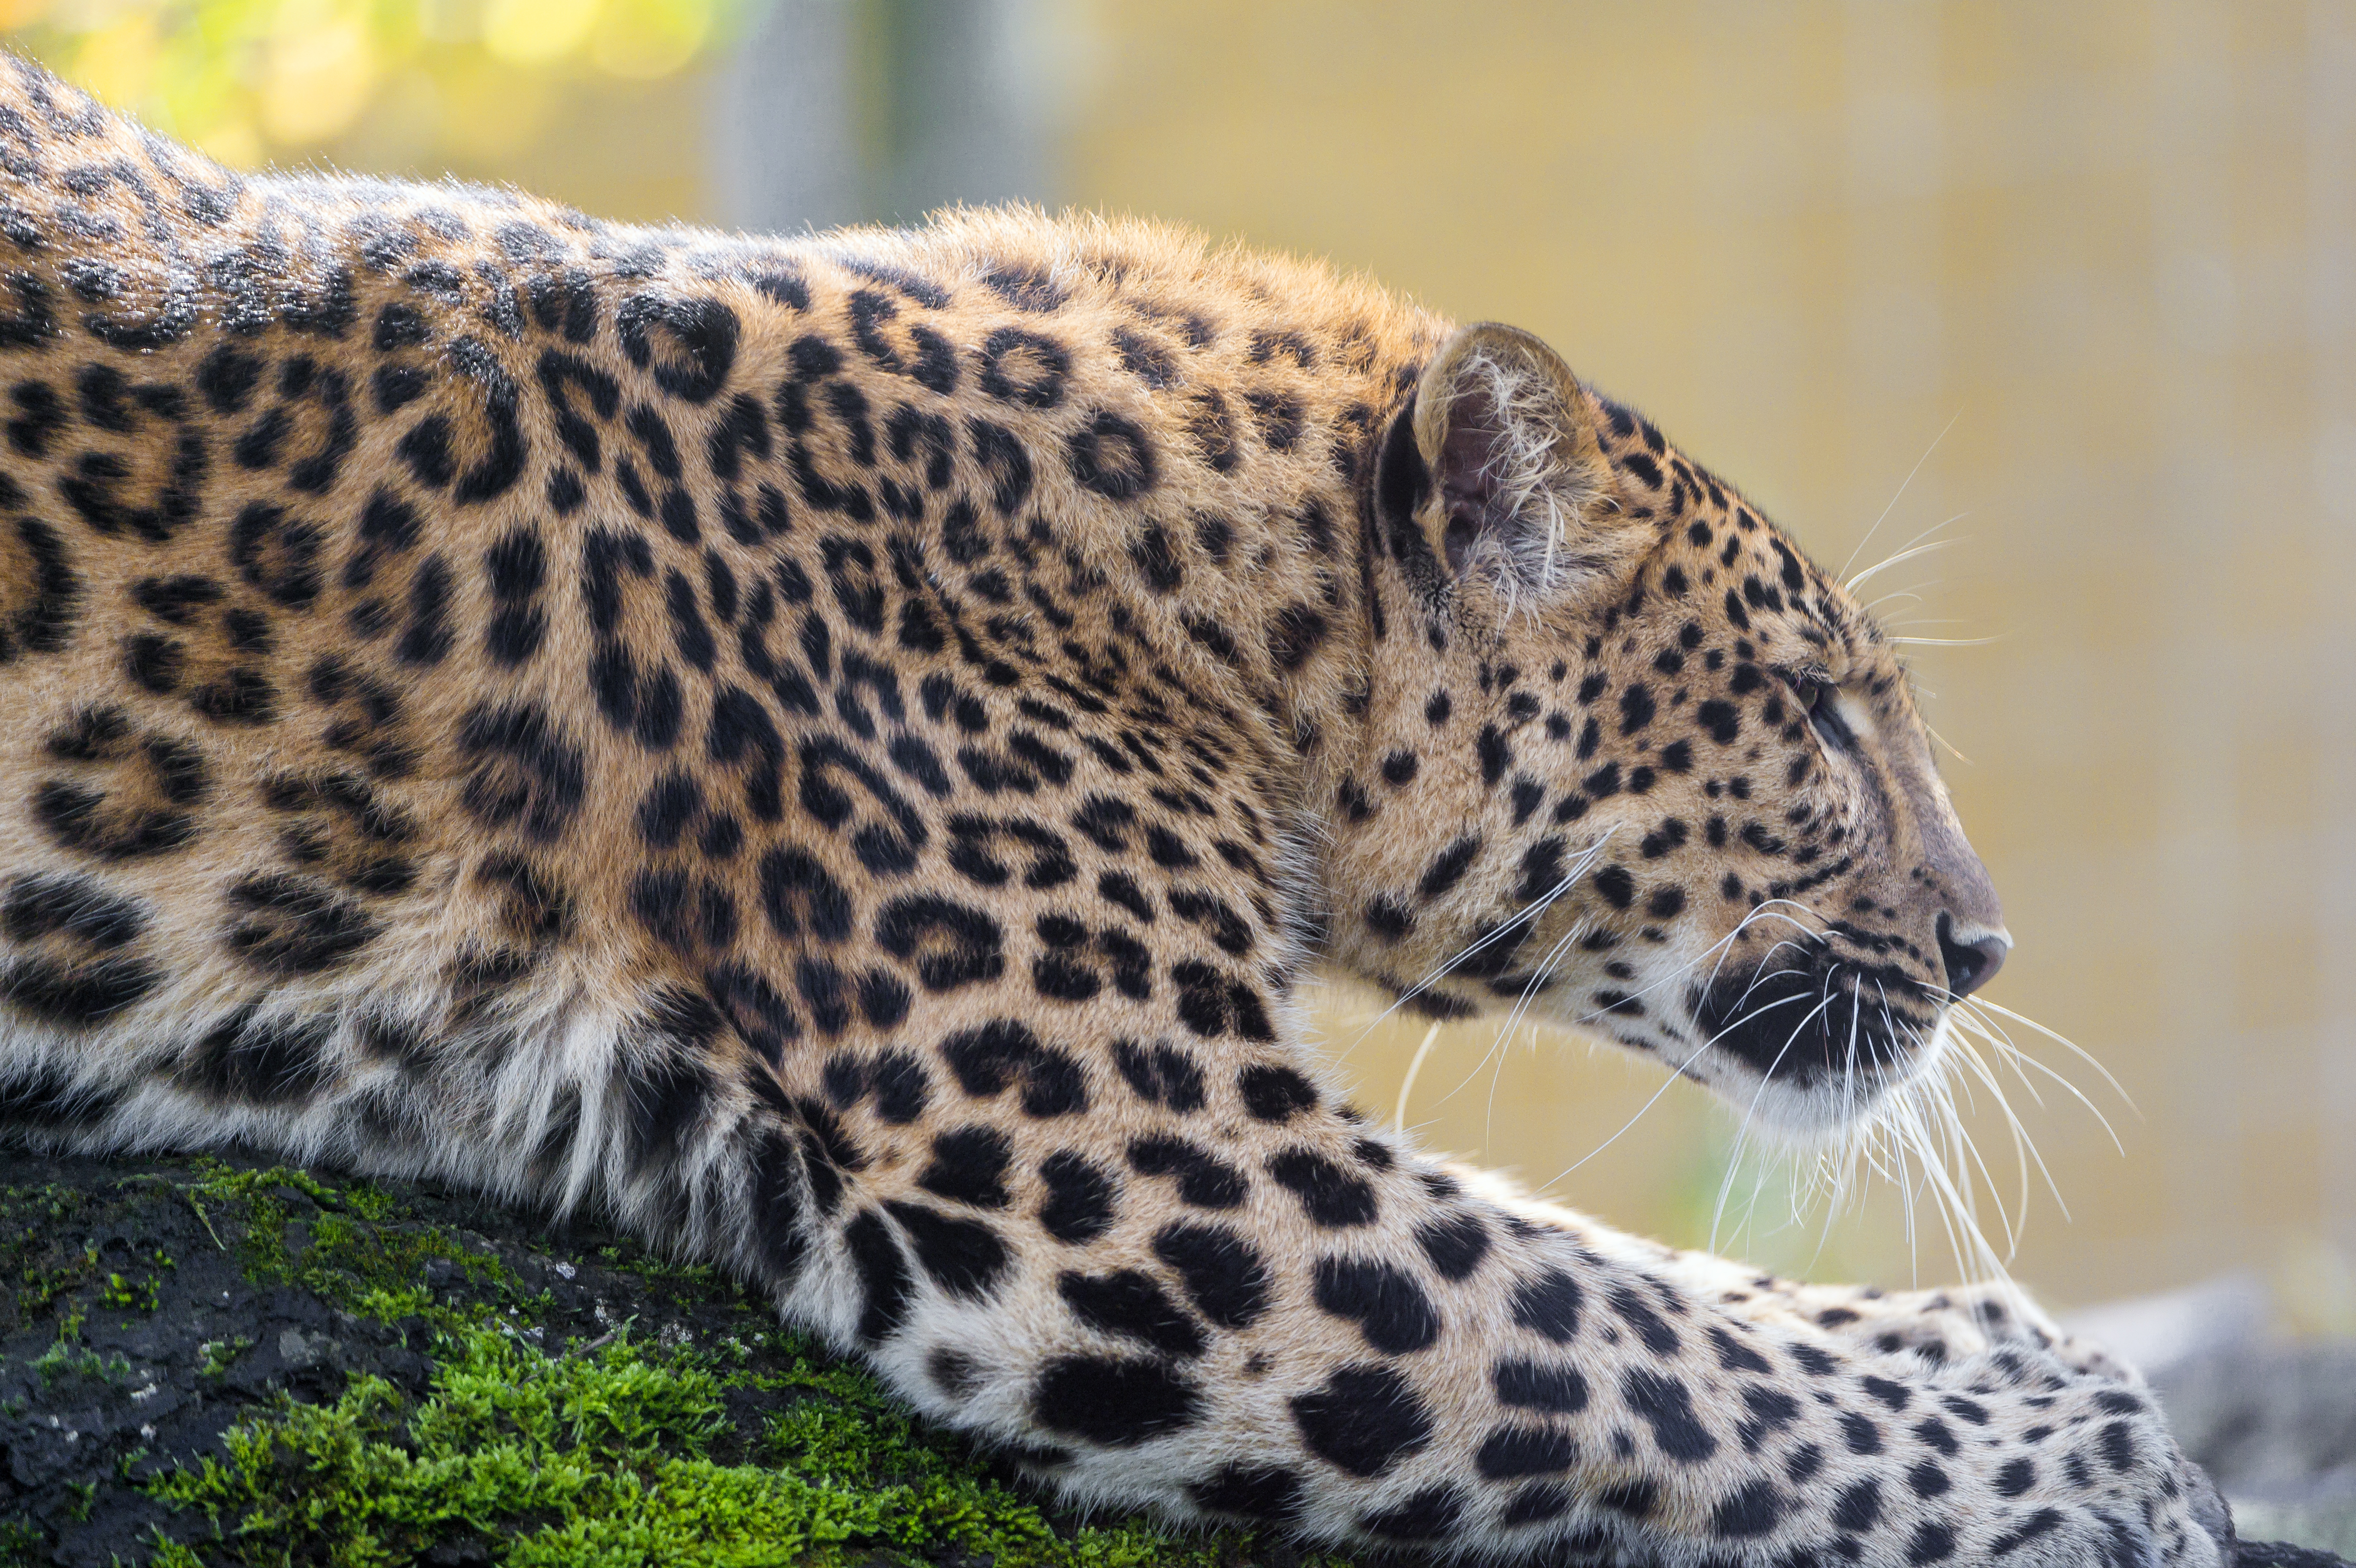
(842, 755)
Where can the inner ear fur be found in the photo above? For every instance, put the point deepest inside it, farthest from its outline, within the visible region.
(1521, 491)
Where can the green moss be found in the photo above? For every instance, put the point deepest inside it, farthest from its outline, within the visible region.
(343, 1248)
(737, 1443)
(603, 1458)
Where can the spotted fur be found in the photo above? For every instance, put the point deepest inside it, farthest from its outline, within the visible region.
(839, 753)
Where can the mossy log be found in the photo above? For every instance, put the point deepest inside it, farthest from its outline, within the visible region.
(214, 1363)
(206, 1362)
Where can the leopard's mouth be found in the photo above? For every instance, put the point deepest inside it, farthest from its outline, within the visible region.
(1834, 1027)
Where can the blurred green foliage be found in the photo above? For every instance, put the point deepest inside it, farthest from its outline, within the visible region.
(252, 82)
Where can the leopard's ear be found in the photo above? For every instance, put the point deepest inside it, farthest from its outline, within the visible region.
(1517, 489)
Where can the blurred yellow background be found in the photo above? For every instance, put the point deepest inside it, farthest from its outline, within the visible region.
(2086, 273)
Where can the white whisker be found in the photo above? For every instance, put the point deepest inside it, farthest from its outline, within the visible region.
(1902, 491)
(1414, 1066)
(1886, 562)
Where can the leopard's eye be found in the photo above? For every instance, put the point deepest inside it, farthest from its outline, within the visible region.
(1815, 696)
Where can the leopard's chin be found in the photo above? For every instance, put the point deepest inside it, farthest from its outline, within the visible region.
(1812, 1051)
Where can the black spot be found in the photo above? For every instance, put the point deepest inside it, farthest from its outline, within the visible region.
(901, 1091)
(954, 1372)
(1105, 819)
(1156, 560)
(1267, 1493)
(882, 1271)
(1388, 918)
(81, 994)
(1387, 1304)
(1293, 634)
(1511, 1452)
(1755, 1510)
(1224, 1275)
(1330, 1196)
(45, 616)
(921, 290)
(177, 600)
(1537, 1504)
(1111, 457)
(1060, 978)
(1496, 755)
(1162, 1074)
(950, 944)
(227, 377)
(663, 1102)
(294, 925)
(796, 890)
(2118, 1444)
(665, 810)
(969, 1165)
(1419, 1516)
(1079, 1205)
(1455, 1244)
(259, 1061)
(989, 1058)
(1638, 1314)
(1278, 416)
(1275, 1093)
(1114, 1402)
(1168, 849)
(1666, 1405)
(1448, 867)
(237, 697)
(965, 1257)
(779, 1244)
(1364, 1420)
(1211, 1004)
(1118, 888)
(1024, 286)
(1131, 1304)
(1931, 1542)
(1896, 1395)
(1548, 1305)
(277, 553)
(153, 661)
(1003, 458)
(1025, 368)
(701, 348)
(1535, 1385)
(1858, 1507)
(1735, 1355)
(48, 1097)
(525, 772)
(1204, 1183)
(2043, 1522)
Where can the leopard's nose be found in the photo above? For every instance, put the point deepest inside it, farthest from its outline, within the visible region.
(1972, 957)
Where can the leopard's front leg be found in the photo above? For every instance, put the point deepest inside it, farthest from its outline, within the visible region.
(1939, 1325)
(1948, 1323)
(1176, 1276)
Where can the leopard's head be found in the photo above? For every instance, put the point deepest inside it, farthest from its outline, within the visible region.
(1631, 756)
